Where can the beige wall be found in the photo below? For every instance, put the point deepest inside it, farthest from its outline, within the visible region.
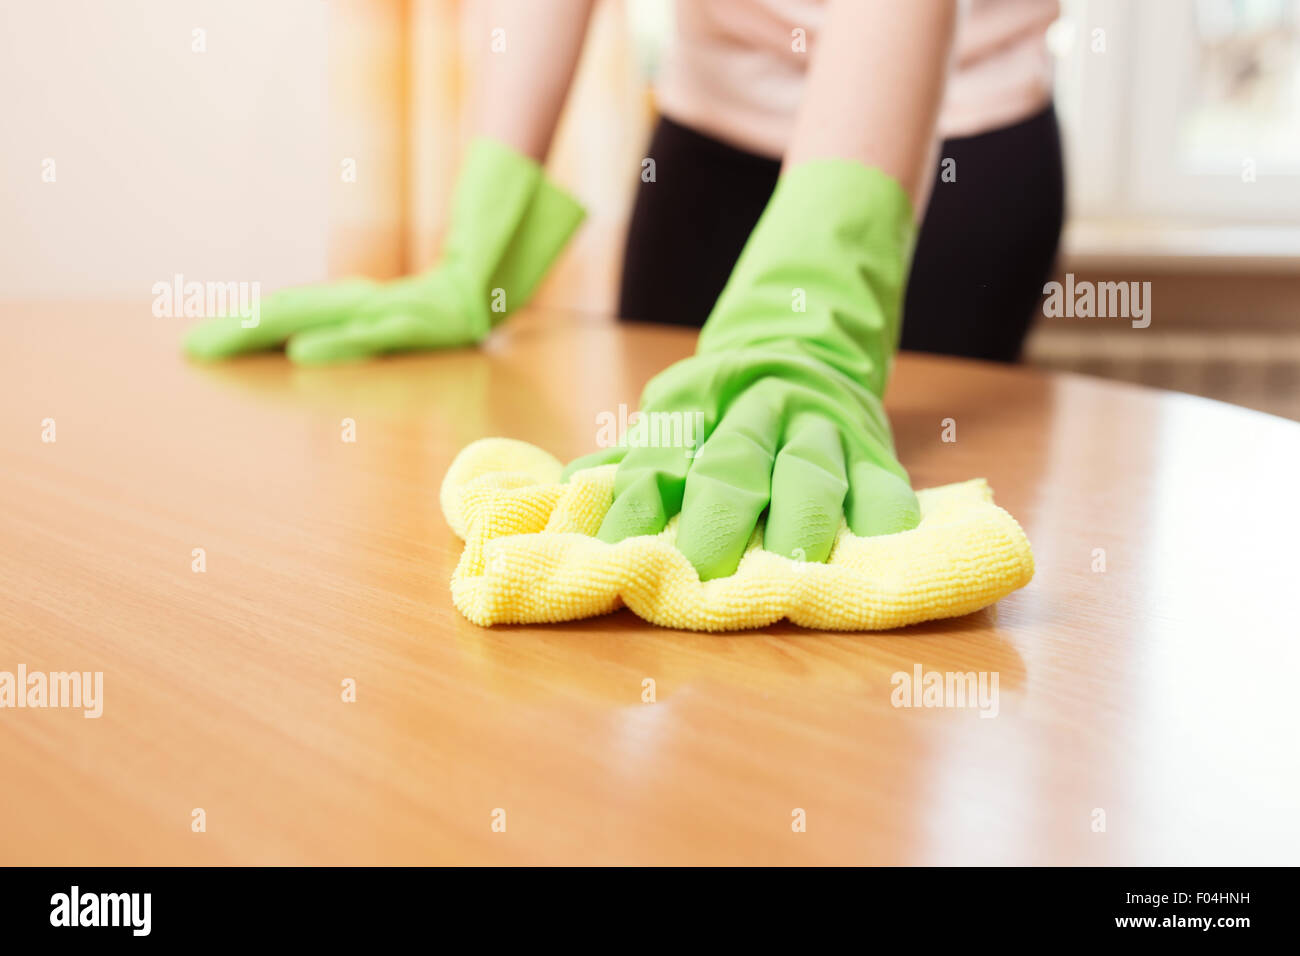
(227, 164)
(166, 160)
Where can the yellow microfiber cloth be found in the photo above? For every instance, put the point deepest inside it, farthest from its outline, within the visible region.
(531, 556)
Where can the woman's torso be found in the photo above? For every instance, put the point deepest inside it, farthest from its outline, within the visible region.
(735, 70)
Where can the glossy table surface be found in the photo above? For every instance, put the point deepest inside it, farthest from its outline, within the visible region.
(1147, 710)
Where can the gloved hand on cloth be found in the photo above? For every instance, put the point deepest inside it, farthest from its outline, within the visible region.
(786, 387)
(788, 376)
(508, 223)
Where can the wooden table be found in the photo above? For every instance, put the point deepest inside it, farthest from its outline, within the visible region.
(1160, 690)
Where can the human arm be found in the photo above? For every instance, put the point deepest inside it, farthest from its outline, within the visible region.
(507, 222)
(792, 364)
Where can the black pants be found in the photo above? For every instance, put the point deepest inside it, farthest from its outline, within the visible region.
(985, 249)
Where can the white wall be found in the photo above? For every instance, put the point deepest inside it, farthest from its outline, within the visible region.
(214, 164)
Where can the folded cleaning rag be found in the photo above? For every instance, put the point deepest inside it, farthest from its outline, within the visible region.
(531, 556)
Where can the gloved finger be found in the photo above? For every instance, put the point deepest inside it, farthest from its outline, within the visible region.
(729, 484)
(648, 485)
(879, 501)
(283, 314)
(367, 337)
(606, 456)
(809, 483)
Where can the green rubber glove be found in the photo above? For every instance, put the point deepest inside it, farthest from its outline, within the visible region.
(779, 410)
(507, 225)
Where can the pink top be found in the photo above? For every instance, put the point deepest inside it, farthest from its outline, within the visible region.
(734, 74)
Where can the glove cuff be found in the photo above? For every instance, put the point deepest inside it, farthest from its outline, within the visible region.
(825, 266)
(549, 222)
(507, 225)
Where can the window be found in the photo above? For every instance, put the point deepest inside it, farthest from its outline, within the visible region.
(1181, 110)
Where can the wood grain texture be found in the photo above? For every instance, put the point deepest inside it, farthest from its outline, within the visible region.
(1161, 690)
